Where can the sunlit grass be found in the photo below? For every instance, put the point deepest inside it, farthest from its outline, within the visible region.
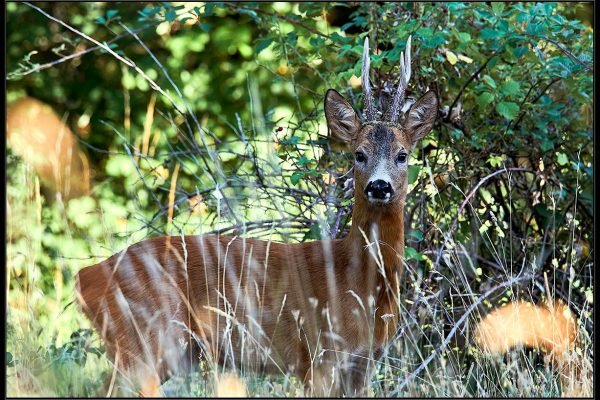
(44, 366)
(47, 356)
(50, 355)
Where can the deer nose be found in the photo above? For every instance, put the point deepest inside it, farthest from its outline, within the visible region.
(379, 189)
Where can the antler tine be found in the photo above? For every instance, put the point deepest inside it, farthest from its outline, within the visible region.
(368, 101)
(405, 72)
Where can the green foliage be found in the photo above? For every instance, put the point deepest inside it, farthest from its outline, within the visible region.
(515, 93)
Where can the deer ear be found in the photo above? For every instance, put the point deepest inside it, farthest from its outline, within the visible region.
(341, 117)
(421, 117)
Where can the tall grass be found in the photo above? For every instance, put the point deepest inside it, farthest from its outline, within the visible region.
(52, 353)
(47, 346)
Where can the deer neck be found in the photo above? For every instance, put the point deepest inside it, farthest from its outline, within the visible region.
(384, 231)
(384, 244)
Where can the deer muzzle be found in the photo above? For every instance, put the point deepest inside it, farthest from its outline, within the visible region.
(379, 190)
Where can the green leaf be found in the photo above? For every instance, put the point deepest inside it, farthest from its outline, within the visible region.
(498, 8)
(435, 41)
(520, 51)
(455, 133)
(495, 161)
(546, 145)
(111, 13)
(510, 87)
(170, 15)
(484, 99)
(415, 234)
(562, 158)
(313, 233)
(534, 29)
(464, 37)
(484, 227)
(304, 160)
(412, 254)
(487, 33)
(507, 109)
(296, 176)
(292, 140)
(101, 20)
(489, 81)
(413, 173)
(263, 44)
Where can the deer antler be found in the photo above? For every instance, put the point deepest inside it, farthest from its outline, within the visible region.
(368, 101)
(405, 71)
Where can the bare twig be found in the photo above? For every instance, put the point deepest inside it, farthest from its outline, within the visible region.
(106, 48)
(466, 201)
(51, 64)
(453, 331)
(564, 50)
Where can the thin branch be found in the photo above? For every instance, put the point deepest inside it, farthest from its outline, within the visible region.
(564, 50)
(467, 200)
(479, 184)
(452, 332)
(533, 102)
(468, 82)
(80, 53)
(105, 47)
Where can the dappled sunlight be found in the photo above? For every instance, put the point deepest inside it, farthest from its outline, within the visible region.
(227, 200)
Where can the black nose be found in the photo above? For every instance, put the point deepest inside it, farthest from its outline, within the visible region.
(379, 189)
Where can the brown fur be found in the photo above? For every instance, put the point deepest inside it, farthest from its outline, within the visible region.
(323, 310)
(551, 328)
(158, 291)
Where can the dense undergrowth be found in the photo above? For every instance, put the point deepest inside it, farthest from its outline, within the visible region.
(229, 136)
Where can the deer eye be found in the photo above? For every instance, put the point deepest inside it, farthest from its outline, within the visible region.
(360, 157)
(402, 158)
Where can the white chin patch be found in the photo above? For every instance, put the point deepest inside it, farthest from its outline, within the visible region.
(374, 200)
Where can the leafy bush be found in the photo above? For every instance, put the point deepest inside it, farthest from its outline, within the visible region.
(223, 131)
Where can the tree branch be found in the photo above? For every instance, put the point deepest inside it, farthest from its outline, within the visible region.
(451, 334)
(105, 47)
(564, 50)
(469, 81)
(81, 53)
(466, 201)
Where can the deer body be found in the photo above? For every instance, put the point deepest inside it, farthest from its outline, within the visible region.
(304, 297)
(323, 310)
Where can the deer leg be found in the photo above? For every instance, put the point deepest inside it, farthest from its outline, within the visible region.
(334, 378)
(322, 381)
(357, 376)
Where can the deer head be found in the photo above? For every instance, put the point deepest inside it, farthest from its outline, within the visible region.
(381, 146)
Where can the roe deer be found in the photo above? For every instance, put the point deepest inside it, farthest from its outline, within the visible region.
(322, 310)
